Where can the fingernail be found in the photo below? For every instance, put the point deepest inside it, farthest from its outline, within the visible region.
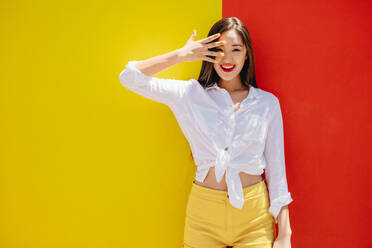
(222, 54)
(215, 61)
(224, 42)
(218, 34)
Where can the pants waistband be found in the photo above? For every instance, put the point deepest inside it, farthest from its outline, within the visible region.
(248, 191)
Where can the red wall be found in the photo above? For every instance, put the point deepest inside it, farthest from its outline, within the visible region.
(316, 57)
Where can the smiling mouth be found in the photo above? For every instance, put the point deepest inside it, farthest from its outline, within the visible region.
(227, 68)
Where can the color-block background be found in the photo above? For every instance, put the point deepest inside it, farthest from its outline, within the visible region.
(316, 57)
(86, 163)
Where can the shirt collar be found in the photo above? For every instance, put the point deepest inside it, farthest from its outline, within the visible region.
(253, 92)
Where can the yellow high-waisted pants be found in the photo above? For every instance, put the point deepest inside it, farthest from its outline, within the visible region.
(212, 222)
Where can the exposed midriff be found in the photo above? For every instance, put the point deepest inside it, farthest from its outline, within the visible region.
(210, 180)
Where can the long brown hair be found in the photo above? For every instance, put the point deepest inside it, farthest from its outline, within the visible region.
(208, 74)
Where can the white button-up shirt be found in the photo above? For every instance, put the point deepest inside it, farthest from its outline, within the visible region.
(248, 140)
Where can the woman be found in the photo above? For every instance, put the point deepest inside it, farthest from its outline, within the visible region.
(235, 131)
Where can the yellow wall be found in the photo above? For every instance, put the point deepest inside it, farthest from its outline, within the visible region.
(85, 162)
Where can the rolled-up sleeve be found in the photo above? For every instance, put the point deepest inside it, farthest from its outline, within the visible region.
(275, 171)
(166, 91)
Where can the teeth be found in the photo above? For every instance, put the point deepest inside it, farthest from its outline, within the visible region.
(227, 67)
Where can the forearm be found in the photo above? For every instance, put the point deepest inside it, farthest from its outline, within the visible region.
(284, 227)
(156, 64)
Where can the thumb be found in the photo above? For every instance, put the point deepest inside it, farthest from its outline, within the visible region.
(193, 35)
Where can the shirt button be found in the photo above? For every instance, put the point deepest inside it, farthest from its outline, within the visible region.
(226, 148)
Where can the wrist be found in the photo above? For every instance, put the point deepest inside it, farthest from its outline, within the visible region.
(180, 55)
(286, 234)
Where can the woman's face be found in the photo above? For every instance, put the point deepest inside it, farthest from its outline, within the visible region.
(235, 55)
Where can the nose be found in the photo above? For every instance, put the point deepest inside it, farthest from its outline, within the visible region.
(227, 58)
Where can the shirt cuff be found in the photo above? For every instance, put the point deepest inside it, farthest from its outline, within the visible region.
(135, 76)
(277, 204)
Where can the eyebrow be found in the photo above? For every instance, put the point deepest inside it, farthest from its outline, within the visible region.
(235, 45)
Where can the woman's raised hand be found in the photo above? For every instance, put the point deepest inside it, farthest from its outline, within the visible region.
(198, 50)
